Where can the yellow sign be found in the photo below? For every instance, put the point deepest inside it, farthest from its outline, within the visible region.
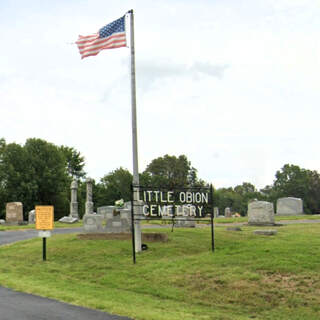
(44, 217)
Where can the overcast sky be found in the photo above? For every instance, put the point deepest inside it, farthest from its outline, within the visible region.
(233, 85)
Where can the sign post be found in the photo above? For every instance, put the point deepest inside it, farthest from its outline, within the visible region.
(44, 223)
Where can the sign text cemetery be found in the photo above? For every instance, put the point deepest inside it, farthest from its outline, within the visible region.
(178, 203)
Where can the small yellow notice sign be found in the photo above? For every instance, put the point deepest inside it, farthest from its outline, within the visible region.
(44, 217)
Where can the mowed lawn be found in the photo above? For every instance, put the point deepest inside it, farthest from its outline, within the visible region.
(247, 277)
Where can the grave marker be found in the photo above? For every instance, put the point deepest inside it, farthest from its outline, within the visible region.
(289, 206)
(260, 213)
(14, 212)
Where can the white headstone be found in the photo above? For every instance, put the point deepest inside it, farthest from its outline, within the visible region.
(216, 212)
(32, 217)
(260, 213)
(289, 206)
(227, 212)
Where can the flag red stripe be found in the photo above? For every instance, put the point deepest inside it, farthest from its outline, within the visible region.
(102, 45)
(93, 52)
(97, 41)
(88, 54)
(95, 44)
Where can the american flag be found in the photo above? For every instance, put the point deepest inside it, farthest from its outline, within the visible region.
(111, 36)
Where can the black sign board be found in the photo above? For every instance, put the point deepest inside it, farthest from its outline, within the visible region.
(187, 204)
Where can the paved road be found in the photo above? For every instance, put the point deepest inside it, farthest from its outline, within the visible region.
(14, 236)
(22, 306)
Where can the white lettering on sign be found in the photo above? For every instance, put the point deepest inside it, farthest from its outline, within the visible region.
(193, 197)
(188, 210)
(169, 203)
(157, 196)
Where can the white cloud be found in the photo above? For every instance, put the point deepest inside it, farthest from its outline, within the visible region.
(234, 86)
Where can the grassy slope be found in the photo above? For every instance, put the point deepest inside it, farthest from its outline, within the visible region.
(247, 277)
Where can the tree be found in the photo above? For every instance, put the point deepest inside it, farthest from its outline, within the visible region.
(114, 186)
(172, 172)
(246, 192)
(223, 198)
(74, 162)
(236, 198)
(245, 188)
(313, 200)
(15, 173)
(292, 181)
(34, 174)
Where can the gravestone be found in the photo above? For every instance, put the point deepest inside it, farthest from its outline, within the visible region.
(216, 212)
(260, 213)
(234, 229)
(32, 217)
(74, 203)
(266, 232)
(227, 212)
(68, 219)
(289, 206)
(106, 211)
(119, 221)
(73, 215)
(14, 213)
(93, 222)
(109, 219)
(182, 222)
(89, 203)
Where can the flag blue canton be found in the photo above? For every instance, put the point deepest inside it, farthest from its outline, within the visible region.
(113, 27)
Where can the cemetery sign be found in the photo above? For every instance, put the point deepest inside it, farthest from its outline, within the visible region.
(176, 204)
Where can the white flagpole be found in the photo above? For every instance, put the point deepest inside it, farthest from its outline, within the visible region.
(137, 225)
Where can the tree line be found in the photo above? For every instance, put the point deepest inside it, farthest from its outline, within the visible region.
(40, 173)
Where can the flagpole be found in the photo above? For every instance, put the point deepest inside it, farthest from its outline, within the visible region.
(137, 225)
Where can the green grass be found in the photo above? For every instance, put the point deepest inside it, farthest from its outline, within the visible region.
(298, 217)
(247, 277)
(277, 218)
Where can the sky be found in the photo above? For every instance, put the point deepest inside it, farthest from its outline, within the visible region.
(233, 85)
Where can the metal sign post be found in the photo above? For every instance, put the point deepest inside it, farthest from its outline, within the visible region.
(212, 216)
(44, 249)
